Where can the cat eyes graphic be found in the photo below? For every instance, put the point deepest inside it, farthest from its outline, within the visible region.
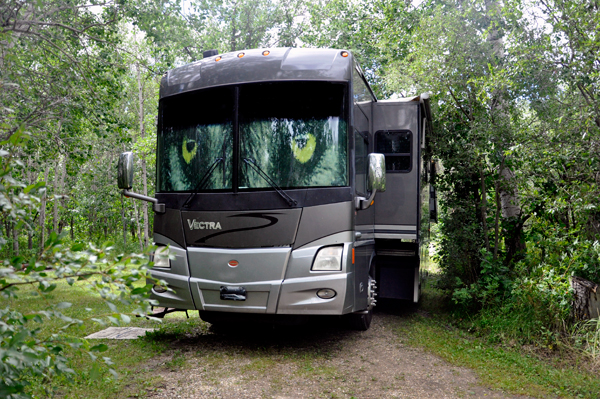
(189, 150)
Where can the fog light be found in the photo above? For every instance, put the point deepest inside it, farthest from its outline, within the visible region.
(159, 289)
(326, 293)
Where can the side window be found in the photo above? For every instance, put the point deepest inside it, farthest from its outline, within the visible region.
(361, 92)
(362, 98)
(361, 148)
(397, 148)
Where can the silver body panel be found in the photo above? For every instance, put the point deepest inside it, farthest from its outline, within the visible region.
(177, 277)
(277, 280)
(260, 271)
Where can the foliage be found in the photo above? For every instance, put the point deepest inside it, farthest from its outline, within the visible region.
(506, 367)
(25, 353)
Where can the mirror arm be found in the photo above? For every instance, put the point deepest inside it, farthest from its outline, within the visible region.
(365, 203)
(158, 208)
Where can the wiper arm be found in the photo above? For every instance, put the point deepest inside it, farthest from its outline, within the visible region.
(202, 181)
(261, 173)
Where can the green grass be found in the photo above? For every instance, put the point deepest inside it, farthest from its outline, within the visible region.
(129, 356)
(514, 370)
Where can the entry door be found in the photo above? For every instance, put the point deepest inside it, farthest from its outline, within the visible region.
(364, 244)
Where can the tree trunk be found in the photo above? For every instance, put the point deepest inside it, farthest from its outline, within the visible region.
(15, 236)
(137, 224)
(512, 217)
(484, 209)
(43, 213)
(497, 221)
(59, 184)
(586, 300)
(142, 135)
(123, 221)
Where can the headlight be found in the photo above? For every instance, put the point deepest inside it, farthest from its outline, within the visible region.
(161, 257)
(328, 259)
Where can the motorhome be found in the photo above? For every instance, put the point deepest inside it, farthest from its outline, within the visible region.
(285, 188)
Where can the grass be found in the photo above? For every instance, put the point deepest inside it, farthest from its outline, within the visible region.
(512, 369)
(127, 355)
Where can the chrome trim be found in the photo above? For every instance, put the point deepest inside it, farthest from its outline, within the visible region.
(396, 236)
(395, 227)
(363, 242)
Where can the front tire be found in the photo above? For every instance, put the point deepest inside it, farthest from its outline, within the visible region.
(362, 321)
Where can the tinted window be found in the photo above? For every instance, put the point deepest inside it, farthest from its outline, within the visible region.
(195, 135)
(397, 148)
(294, 132)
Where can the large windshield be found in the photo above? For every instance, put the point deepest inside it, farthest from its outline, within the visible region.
(294, 133)
(196, 133)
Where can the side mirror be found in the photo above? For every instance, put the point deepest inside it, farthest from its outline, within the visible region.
(376, 172)
(376, 180)
(125, 171)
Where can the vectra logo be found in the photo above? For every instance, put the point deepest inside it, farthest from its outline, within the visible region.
(195, 225)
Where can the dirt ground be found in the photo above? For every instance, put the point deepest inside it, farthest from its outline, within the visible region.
(320, 360)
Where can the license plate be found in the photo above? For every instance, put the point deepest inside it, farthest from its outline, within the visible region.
(229, 293)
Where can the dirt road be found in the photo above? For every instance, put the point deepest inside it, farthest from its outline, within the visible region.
(321, 360)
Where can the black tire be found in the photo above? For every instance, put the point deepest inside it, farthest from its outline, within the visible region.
(362, 321)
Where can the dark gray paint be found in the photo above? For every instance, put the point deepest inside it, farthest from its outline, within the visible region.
(399, 204)
(169, 225)
(280, 64)
(251, 229)
(323, 220)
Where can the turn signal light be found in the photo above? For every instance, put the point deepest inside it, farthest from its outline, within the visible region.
(345, 54)
(241, 55)
(266, 52)
(218, 58)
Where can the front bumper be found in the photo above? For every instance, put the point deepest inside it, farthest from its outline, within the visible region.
(290, 290)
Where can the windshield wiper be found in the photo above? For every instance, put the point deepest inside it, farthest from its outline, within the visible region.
(202, 181)
(261, 173)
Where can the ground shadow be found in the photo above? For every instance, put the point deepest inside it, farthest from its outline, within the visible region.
(317, 336)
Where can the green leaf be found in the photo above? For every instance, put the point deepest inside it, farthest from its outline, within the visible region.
(95, 372)
(99, 348)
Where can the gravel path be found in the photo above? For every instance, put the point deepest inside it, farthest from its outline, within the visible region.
(321, 360)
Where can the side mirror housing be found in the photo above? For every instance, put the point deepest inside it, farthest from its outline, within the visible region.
(376, 180)
(125, 171)
(376, 172)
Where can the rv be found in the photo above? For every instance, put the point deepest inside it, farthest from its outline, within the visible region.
(285, 188)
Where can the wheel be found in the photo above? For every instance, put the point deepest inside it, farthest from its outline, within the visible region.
(362, 321)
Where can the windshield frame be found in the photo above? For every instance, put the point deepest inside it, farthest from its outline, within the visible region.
(236, 160)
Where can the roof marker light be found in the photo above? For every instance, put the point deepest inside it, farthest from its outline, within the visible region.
(345, 54)
(266, 52)
(240, 55)
(218, 58)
